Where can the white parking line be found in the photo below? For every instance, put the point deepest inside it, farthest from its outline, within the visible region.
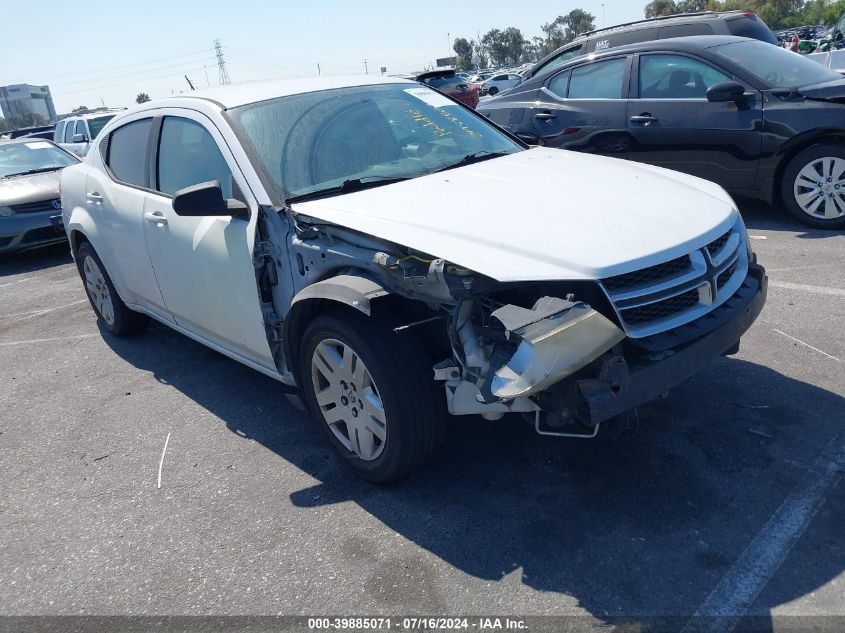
(797, 340)
(35, 341)
(36, 313)
(819, 290)
(41, 276)
(740, 586)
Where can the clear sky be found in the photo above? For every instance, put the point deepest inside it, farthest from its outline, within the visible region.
(94, 51)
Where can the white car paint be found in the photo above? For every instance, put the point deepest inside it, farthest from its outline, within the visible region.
(549, 214)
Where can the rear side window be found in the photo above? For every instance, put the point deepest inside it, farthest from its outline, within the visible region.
(562, 58)
(127, 152)
(601, 42)
(601, 80)
(753, 27)
(685, 30)
(188, 155)
(69, 131)
(58, 133)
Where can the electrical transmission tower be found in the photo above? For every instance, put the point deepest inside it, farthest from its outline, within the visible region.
(221, 64)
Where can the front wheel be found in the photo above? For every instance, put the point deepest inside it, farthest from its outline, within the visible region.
(372, 392)
(112, 313)
(813, 187)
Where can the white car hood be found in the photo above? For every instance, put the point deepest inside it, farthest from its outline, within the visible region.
(540, 214)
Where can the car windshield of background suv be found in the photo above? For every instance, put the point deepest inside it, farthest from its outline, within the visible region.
(34, 157)
(312, 142)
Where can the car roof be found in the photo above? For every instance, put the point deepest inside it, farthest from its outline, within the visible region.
(690, 43)
(668, 20)
(234, 95)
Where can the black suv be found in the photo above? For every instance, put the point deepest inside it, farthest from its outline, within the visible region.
(741, 23)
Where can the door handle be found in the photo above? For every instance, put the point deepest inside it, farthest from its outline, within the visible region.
(94, 197)
(644, 118)
(545, 116)
(155, 216)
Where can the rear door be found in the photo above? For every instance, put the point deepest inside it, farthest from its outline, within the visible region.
(673, 125)
(583, 108)
(204, 265)
(115, 198)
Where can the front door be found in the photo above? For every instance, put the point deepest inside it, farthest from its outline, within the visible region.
(204, 265)
(673, 125)
(583, 108)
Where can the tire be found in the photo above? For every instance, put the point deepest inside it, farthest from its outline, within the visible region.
(112, 313)
(493, 91)
(389, 376)
(808, 194)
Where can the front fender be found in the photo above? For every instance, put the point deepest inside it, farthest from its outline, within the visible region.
(355, 291)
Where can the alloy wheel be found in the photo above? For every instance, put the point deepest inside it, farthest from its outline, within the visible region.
(348, 398)
(98, 290)
(819, 188)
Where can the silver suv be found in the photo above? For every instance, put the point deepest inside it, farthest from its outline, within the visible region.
(76, 133)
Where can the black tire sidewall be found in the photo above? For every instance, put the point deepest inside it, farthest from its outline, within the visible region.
(125, 320)
(400, 379)
(493, 91)
(798, 162)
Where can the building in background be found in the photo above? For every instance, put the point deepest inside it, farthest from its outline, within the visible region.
(20, 100)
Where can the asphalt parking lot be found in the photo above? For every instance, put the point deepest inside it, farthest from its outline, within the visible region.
(725, 497)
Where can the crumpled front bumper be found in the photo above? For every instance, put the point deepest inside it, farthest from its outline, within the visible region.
(634, 384)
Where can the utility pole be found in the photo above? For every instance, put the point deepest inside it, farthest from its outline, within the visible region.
(207, 82)
(366, 72)
(449, 42)
(223, 76)
(318, 69)
(603, 24)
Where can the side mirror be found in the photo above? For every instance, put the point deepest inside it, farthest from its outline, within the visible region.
(725, 91)
(78, 138)
(206, 199)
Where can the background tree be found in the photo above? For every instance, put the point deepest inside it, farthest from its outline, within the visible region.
(463, 51)
(657, 8)
(576, 22)
(142, 97)
(79, 108)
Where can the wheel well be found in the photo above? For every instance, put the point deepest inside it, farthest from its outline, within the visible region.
(395, 308)
(794, 150)
(76, 240)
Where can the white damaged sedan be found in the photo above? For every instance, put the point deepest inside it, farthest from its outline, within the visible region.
(319, 231)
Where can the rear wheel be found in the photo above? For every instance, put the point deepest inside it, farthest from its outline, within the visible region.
(372, 392)
(109, 307)
(493, 91)
(813, 187)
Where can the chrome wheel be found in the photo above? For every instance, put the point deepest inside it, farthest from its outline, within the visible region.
(98, 290)
(348, 399)
(819, 188)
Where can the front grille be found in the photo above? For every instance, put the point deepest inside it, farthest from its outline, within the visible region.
(681, 290)
(649, 275)
(726, 274)
(718, 244)
(37, 207)
(662, 309)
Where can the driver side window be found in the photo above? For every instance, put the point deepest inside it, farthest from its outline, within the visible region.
(188, 155)
(676, 77)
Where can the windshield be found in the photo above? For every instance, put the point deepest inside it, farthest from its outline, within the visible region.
(97, 124)
(318, 140)
(18, 158)
(777, 67)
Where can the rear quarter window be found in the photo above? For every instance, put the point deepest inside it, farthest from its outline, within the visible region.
(753, 27)
(602, 42)
(127, 152)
